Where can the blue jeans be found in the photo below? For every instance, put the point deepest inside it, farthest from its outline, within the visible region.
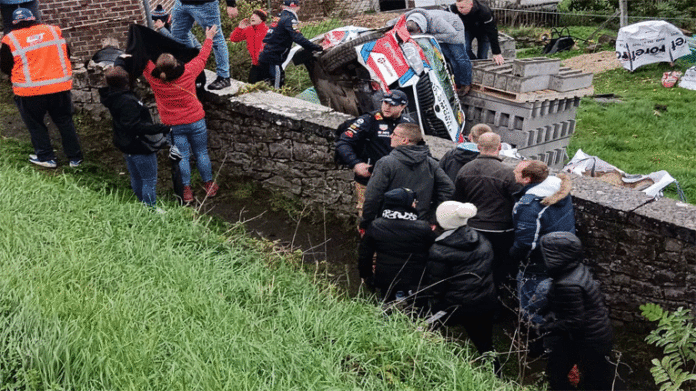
(482, 49)
(533, 291)
(458, 59)
(143, 176)
(193, 137)
(206, 15)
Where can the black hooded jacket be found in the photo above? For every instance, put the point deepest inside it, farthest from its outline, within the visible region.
(575, 298)
(459, 273)
(401, 243)
(130, 118)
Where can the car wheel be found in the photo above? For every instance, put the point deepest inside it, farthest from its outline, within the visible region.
(344, 54)
(432, 125)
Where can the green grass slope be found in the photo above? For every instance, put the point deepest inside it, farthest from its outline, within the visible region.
(97, 292)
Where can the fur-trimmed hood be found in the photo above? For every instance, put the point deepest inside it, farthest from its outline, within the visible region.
(552, 190)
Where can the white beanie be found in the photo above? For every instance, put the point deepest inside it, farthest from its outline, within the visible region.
(453, 214)
(420, 20)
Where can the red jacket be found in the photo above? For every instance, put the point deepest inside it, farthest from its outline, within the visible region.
(254, 39)
(176, 100)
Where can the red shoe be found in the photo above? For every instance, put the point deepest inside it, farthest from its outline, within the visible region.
(211, 188)
(188, 195)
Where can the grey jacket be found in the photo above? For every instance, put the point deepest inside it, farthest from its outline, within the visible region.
(444, 26)
(408, 166)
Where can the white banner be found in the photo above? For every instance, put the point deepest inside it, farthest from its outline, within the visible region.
(650, 42)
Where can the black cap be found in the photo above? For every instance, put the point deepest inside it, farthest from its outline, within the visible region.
(401, 197)
(396, 98)
(159, 13)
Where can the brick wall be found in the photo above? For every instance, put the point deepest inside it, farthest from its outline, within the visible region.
(86, 22)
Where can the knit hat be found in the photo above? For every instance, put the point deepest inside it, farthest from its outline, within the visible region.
(453, 214)
(291, 3)
(400, 197)
(22, 15)
(420, 20)
(261, 14)
(159, 13)
(395, 98)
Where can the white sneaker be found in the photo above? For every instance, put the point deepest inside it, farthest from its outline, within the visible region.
(43, 163)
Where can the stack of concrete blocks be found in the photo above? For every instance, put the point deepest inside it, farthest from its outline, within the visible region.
(507, 46)
(531, 103)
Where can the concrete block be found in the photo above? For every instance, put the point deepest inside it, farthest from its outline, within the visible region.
(568, 81)
(501, 82)
(535, 66)
(527, 84)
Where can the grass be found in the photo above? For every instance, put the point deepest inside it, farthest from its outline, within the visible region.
(98, 292)
(650, 130)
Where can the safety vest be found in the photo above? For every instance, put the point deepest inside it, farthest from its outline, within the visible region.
(41, 62)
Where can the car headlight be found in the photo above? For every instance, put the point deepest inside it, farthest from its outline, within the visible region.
(413, 57)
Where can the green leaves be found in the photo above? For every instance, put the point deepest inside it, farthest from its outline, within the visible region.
(676, 335)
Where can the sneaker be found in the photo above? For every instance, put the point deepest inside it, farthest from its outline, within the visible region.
(220, 83)
(211, 189)
(75, 163)
(43, 163)
(188, 195)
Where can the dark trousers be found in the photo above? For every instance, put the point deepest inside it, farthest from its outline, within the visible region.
(504, 269)
(596, 372)
(273, 74)
(8, 9)
(479, 329)
(33, 109)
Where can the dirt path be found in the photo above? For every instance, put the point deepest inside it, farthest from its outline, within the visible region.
(593, 62)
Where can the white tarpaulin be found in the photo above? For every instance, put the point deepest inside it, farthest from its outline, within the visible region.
(651, 184)
(650, 42)
(688, 81)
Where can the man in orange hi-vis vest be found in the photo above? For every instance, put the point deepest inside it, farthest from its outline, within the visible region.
(36, 57)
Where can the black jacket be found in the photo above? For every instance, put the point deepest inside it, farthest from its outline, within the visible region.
(459, 273)
(410, 167)
(401, 243)
(130, 118)
(490, 185)
(280, 37)
(480, 22)
(456, 158)
(367, 140)
(575, 300)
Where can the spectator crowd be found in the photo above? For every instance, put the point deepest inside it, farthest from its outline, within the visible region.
(453, 237)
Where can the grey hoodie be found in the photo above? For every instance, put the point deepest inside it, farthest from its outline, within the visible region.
(411, 167)
(444, 26)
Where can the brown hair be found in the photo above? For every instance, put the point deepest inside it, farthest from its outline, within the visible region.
(412, 132)
(412, 27)
(261, 14)
(165, 63)
(489, 143)
(477, 130)
(117, 77)
(537, 171)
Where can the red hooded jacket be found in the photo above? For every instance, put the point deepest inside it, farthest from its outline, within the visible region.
(254, 39)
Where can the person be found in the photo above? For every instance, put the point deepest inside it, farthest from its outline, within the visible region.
(490, 184)
(161, 21)
(479, 24)
(578, 330)
(207, 14)
(463, 153)
(368, 139)
(459, 276)
(401, 243)
(7, 7)
(253, 31)
(544, 205)
(408, 165)
(175, 93)
(278, 41)
(448, 30)
(37, 59)
(131, 119)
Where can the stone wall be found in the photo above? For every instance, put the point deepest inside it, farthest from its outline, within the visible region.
(640, 250)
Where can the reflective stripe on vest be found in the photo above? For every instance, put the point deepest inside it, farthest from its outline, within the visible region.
(28, 86)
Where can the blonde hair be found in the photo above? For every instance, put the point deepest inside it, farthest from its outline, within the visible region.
(488, 142)
(477, 130)
(412, 132)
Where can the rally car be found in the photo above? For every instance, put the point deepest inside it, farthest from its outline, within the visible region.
(359, 65)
